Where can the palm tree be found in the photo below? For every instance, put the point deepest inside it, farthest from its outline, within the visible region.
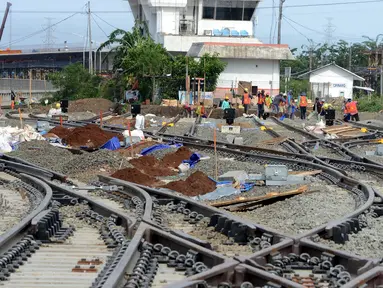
(125, 40)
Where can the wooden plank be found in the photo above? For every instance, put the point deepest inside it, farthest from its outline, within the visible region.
(337, 130)
(333, 128)
(305, 173)
(302, 189)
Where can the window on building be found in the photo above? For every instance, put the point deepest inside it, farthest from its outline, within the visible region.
(228, 10)
(208, 9)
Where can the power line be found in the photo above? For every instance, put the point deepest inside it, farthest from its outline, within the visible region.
(99, 26)
(268, 7)
(288, 22)
(105, 21)
(40, 31)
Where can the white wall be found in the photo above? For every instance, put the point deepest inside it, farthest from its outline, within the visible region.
(259, 72)
(339, 81)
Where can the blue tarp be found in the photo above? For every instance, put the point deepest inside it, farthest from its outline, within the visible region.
(194, 159)
(112, 144)
(151, 149)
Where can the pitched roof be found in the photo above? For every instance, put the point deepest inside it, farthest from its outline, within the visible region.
(356, 77)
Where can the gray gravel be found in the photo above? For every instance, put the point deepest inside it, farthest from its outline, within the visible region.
(13, 208)
(155, 126)
(179, 129)
(367, 242)
(304, 212)
(82, 167)
(326, 152)
(362, 149)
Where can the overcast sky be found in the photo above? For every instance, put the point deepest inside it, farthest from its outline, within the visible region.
(350, 21)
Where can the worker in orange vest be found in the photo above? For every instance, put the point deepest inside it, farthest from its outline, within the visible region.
(352, 109)
(246, 100)
(302, 103)
(261, 103)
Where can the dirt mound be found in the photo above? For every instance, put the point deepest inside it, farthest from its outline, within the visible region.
(90, 136)
(60, 131)
(151, 166)
(136, 176)
(175, 159)
(196, 184)
(94, 105)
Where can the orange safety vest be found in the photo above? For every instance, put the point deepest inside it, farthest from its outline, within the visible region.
(303, 102)
(246, 98)
(351, 108)
(261, 99)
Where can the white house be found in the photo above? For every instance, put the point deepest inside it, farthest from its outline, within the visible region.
(225, 27)
(331, 81)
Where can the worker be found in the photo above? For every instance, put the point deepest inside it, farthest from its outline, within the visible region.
(302, 103)
(225, 103)
(187, 111)
(346, 115)
(317, 108)
(352, 109)
(261, 103)
(246, 100)
(292, 109)
(200, 111)
(267, 106)
(328, 113)
(276, 102)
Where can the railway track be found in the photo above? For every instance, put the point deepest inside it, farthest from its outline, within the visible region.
(182, 225)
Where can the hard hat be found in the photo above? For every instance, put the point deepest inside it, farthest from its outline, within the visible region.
(227, 98)
(325, 106)
(349, 100)
(58, 105)
(246, 90)
(303, 93)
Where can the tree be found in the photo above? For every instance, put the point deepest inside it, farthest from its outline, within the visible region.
(75, 82)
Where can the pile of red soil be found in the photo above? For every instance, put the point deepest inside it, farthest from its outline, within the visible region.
(94, 105)
(136, 176)
(60, 131)
(151, 166)
(196, 184)
(175, 159)
(91, 136)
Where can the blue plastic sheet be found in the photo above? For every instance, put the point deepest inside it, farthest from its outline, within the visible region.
(151, 149)
(193, 160)
(112, 144)
(282, 117)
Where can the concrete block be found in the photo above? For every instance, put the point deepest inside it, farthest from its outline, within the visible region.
(230, 138)
(256, 177)
(291, 180)
(379, 150)
(231, 129)
(240, 176)
(238, 140)
(276, 172)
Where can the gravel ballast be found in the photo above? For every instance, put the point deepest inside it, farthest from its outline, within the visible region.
(304, 212)
(367, 242)
(362, 149)
(83, 166)
(13, 208)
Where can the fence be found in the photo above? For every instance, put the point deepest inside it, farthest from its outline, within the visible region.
(22, 85)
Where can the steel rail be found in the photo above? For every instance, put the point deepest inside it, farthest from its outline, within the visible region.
(46, 191)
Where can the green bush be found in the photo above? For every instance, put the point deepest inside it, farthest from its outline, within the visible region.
(370, 104)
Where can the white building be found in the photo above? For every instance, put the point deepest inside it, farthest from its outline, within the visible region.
(225, 27)
(331, 81)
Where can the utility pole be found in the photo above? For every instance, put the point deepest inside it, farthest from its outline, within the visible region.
(381, 72)
(280, 20)
(90, 40)
(187, 85)
(350, 58)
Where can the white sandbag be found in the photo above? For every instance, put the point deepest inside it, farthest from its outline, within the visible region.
(137, 133)
(140, 122)
(4, 146)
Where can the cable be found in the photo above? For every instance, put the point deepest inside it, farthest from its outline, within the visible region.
(40, 31)
(288, 22)
(106, 35)
(105, 21)
(269, 7)
(319, 32)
